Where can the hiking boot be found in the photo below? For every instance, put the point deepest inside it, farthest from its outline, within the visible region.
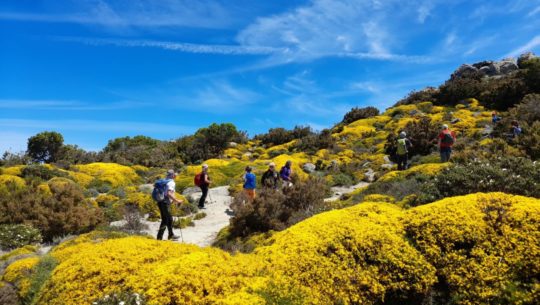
(174, 237)
(201, 207)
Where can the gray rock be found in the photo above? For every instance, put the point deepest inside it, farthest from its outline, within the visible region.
(387, 166)
(309, 168)
(413, 112)
(463, 69)
(369, 176)
(525, 57)
(489, 70)
(233, 144)
(387, 160)
(454, 121)
(146, 188)
(248, 154)
(190, 191)
(506, 67)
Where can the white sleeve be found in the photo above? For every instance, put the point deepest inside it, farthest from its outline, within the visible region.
(171, 186)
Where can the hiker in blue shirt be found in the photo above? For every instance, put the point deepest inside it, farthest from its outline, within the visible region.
(249, 183)
(285, 174)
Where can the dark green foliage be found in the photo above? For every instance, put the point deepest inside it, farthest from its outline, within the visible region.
(64, 212)
(41, 172)
(277, 210)
(528, 110)
(529, 140)
(72, 154)
(278, 136)
(16, 236)
(510, 175)
(125, 143)
(211, 141)
(399, 189)
(356, 114)
(457, 89)
(531, 74)
(11, 159)
(427, 95)
(41, 273)
(502, 93)
(314, 142)
(343, 179)
(45, 146)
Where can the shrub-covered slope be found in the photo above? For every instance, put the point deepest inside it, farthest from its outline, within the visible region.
(474, 249)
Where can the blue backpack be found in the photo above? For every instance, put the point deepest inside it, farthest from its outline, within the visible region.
(160, 190)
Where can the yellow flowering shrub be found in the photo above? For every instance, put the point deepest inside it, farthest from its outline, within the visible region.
(106, 199)
(428, 169)
(112, 173)
(481, 245)
(17, 181)
(13, 170)
(44, 189)
(379, 198)
(81, 178)
(19, 274)
(26, 250)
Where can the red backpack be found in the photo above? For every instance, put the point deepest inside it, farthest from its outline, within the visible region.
(198, 179)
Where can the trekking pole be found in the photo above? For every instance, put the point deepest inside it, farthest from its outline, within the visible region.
(210, 197)
(181, 235)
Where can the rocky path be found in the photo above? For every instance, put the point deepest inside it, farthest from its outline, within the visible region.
(205, 230)
(338, 191)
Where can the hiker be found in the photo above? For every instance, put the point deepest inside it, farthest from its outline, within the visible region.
(270, 178)
(285, 173)
(446, 140)
(202, 180)
(515, 130)
(249, 183)
(165, 207)
(402, 152)
(495, 118)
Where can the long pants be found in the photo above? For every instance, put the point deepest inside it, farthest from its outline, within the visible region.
(166, 219)
(402, 162)
(204, 190)
(445, 154)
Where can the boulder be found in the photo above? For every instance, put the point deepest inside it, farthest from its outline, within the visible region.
(387, 166)
(454, 121)
(233, 144)
(506, 67)
(309, 168)
(490, 70)
(464, 69)
(190, 191)
(525, 57)
(369, 176)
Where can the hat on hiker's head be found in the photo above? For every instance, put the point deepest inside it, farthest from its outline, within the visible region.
(272, 164)
(444, 126)
(402, 134)
(171, 173)
(205, 165)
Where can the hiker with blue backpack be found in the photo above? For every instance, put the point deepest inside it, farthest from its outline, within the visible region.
(164, 195)
(446, 140)
(402, 151)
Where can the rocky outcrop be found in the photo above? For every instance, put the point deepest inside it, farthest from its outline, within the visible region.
(493, 68)
(309, 168)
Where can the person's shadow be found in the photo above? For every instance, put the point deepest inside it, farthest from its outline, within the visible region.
(229, 212)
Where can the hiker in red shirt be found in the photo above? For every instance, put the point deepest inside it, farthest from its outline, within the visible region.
(446, 139)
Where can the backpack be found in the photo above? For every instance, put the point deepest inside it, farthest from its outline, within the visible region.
(447, 139)
(401, 147)
(198, 179)
(160, 190)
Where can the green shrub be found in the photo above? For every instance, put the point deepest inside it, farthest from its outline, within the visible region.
(199, 216)
(356, 114)
(42, 172)
(315, 142)
(183, 222)
(40, 274)
(16, 236)
(275, 209)
(415, 97)
(529, 140)
(342, 179)
(278, 136)
(64, 211)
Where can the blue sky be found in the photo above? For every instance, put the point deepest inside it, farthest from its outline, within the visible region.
(99, 69)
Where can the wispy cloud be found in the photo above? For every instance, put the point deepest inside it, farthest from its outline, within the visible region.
(131, 127)
(136, 13)
(529, 46)
(66, 105)
(179, 46)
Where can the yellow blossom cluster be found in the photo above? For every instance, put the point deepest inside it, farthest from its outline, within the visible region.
(482, 248)
(112, 173)
(13, 170)
(19, 274)
(428, 169)
(17, 181)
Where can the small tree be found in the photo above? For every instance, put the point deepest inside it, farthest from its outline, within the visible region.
(359, 113)
(44, 146)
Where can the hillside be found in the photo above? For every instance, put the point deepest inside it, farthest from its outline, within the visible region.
(460, 232)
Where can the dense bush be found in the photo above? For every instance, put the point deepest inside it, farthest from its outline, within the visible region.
(356, 114)
(278, 136)
(314, 142)
(422, 133)
(529, 141)
(41, 172)
(455, 90)
(275, 209)
(427, 95)
(63, 211)
(45, 146)
(502, 93)
(15, 236)
(8, 295)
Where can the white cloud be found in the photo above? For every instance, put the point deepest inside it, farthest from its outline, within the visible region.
(138, 13)
(345, 28)
(66, 105)
(424, 11)
(529, 46)
(179, 46)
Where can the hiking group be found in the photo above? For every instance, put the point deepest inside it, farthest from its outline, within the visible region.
(445, 141)
(164, 191)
